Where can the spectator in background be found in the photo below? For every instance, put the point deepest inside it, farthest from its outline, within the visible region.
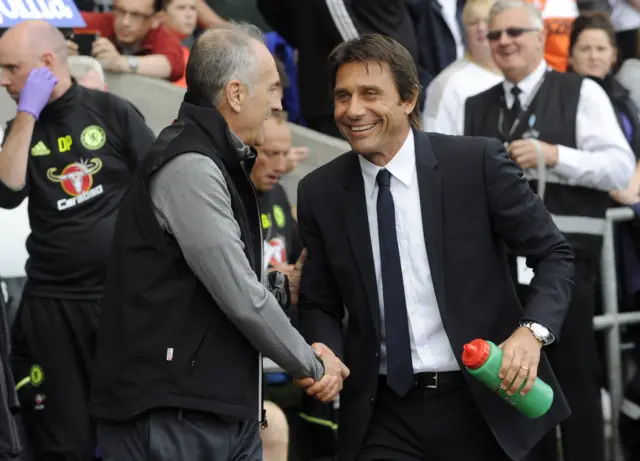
(625, 17)
(557, 16)
(88, 72)
(132, 40)
(569, 123)
(281, 241)
(71, 151)
(593, 54)
(439, 33)
(476, 72)
(181, 18)
(314, 28)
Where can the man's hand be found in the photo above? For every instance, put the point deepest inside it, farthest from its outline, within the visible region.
(36, 91)
(109, 56)
(295, 156)
(520, 359)
(72, 48)
(525, 153)
(295, 276)
(628, 196)
(335, 372)
(285, 269)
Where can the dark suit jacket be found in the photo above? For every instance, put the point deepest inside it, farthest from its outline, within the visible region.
(475, 203)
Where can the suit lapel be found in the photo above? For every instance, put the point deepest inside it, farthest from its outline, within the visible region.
(355, 210)
(430, 187)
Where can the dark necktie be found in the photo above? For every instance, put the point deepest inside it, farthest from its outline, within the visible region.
(399, 366)
(516, 108)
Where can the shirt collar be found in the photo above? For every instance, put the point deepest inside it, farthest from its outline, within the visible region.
(401, 166)
(528, 84)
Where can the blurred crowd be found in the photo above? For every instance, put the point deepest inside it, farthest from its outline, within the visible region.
(458, 56)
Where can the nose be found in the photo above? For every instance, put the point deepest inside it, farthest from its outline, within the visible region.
(276, 101)
(280, 164)
(355, 109)
(504, 38)
(4, 78)
(126, 19)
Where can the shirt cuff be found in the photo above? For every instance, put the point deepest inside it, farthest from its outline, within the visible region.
(569, 161)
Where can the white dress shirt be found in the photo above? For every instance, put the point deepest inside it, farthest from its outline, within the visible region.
(603, 159)
(430, 347)
(446, 95)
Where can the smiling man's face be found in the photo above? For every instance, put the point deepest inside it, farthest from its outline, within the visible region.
(368, 109)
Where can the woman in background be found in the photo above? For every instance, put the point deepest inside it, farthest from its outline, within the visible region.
(446, 95)
(593, 54)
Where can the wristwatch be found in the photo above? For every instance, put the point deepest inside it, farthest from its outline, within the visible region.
(133, 64)
(540, 332)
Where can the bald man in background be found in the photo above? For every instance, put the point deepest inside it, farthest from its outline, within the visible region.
(71, 151)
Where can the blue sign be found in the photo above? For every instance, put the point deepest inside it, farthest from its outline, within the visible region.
(59, 13)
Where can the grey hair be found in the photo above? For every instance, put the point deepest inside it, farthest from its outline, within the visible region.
(80, 66)
(535, 17)
(221, 55)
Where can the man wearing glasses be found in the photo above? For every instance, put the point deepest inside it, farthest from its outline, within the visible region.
(131, 39)
(568, 125)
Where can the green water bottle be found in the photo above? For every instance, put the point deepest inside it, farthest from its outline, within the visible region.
(483, 359)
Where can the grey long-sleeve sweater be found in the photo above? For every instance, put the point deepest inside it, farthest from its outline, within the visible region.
(192, 202)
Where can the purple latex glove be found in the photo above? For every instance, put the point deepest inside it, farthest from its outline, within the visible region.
(36, 91)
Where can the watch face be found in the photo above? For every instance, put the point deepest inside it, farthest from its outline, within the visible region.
(540, 331)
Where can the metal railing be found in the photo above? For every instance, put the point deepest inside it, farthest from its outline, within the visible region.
(611, 320)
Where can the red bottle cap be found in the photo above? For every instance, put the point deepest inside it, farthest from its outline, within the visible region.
(475, 353)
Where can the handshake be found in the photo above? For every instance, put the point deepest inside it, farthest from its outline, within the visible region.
(335, 372)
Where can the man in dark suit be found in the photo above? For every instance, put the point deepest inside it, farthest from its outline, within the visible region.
(409, 233)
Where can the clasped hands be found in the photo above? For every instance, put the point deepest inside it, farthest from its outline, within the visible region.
(525, 153)
(335, 372)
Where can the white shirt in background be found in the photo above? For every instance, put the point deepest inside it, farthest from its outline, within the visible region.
(624, 16)
(447, 93)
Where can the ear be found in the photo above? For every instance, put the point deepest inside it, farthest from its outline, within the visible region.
(48, 59)
(410, 103)
(235, 94)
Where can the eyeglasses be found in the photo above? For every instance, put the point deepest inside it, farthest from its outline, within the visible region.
(135, 15)
(512, 32)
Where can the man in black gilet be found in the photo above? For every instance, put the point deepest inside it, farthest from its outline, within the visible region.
(570, 125)
(186, 318)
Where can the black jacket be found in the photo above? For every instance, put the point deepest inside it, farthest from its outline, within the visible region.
(474, 205)
(151, 289)
(9, 439)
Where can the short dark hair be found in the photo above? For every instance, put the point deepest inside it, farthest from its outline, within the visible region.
(591, 20)
(383, 50)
